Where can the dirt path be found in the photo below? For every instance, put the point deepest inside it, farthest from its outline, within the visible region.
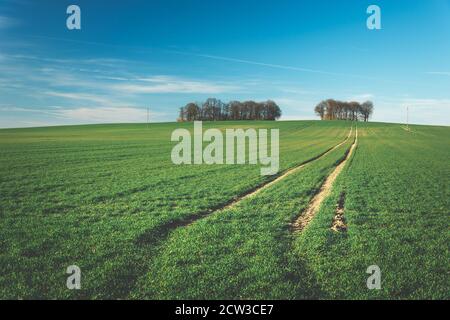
(308, 214)
(285, 174)
(338, 223)
(408, 129)
(154, 236)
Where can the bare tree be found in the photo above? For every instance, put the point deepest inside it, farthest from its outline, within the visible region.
(334, 109)
(320, 109)
(235, 110)
(367, 110)
(214, 109)
(192, 111)
(273, 110)
(182, 115)
(354, 109)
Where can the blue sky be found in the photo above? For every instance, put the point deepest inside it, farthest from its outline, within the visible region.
(133, 55)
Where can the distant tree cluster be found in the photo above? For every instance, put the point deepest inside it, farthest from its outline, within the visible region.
(214, 109)
(341, 110)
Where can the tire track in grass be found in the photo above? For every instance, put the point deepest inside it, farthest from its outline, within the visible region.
(156, 235)
(285, 174)
(152, 240)
(338, 223)
(249, 244)
(406, 128)
(314, 205)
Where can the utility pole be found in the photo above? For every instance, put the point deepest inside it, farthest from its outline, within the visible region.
(407, 118)
(148, 116)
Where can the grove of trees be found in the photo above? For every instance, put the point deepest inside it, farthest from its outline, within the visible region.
(214, 109)
(341, 110)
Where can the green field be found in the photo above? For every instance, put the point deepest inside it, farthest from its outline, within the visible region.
(108, 199)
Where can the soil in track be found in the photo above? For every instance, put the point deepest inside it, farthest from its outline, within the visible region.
(313, 207)
(241, 252)
(160, 234)
(396, 212)
(287, 173)
(153, 241)
(338, 223)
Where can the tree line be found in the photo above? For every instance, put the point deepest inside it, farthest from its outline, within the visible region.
(214, 109)
(341, 110)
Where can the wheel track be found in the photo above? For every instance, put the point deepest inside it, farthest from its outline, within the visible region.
(286, 173)
(309, 213)
(152, 240)
(156, 235)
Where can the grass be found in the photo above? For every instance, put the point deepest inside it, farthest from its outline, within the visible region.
(108, 199)
(396, 208)
(240, 252)
(101, 196)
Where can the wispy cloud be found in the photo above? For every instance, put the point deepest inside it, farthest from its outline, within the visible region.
(81, 115)
(426, 103)
(7, 22)
(361, 97)
(257, 63)
(165, 84)
(295, 109)
(273, 65)
(106, 89)
(222, 58)
(100, 90)
(49, 110)
(58, 73)
(297, 91)
(421, 110)
(98, 99)
(105, 114)
(441, 73)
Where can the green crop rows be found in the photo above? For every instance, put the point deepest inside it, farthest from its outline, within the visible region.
(108, 199)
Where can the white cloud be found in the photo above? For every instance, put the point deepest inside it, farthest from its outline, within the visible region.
(164, 84)
(78, 96)
(99, 100)
(105, 114)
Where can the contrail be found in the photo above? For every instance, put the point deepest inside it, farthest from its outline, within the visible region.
(222, 58)
(269, 65)
(207, 56)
